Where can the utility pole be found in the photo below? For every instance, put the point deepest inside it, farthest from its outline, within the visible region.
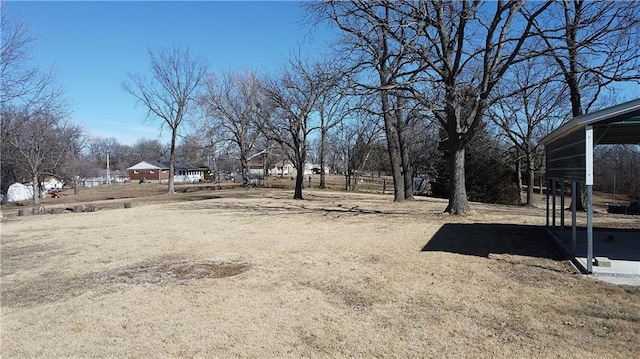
(108, 170)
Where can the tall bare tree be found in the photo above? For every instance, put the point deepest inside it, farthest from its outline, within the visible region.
(464, 49)
(332, 108)
(29, 96)
(230, 103)
(536, 107)
(21, 82)
(292, 96)
(170, 91)
(15, 71)
(379, 64)
(593, 45)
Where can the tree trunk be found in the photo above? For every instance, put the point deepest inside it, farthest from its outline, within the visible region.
(244, 167)
(299, 182)
(300, 159)
(323, 144)
(458, 202)
(36, 189)
(394, 151)
(354, 178)
(519, 172)
(407, 173)
(172, 160)
(531, 179)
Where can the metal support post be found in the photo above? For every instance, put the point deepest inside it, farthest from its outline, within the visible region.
(574, 187)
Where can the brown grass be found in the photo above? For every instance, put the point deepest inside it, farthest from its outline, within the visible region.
(253, 273)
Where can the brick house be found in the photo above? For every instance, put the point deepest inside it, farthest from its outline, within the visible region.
(158, 171)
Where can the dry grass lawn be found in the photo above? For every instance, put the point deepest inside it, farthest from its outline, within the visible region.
(253, 273)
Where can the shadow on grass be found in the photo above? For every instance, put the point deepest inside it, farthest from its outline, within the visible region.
(476, 239)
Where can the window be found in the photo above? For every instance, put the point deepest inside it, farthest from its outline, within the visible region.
(152, 171)
(135, 171)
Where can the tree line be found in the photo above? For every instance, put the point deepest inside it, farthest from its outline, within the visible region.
(461, 92)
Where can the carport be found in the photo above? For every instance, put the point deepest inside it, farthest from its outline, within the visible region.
(570, 161)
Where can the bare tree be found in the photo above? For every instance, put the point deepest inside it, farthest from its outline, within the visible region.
(536, 108)
(170, 91)
(617, 170)
(354, 140)
(192, 149)
(148, 150)
(42, 145)
(21, 83)
(73, 163)
(230, 103)
(29, 99)
(333, 107)
(293, 96)
(380, 64)
(16, 74)
(463, 69)
(593, 45)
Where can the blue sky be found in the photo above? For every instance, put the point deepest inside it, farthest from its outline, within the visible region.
(93, 45)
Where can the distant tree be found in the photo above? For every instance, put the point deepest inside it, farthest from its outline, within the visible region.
(9, 167)
(98, 147)
(332, 108)
(617, 170)
(230, 103)
(424, 145)
(212, 144)
(353, 144)
(120, 156)
(192, 150)
(41, 145)
(75, 164)
(169, 93)
(291, 97)
(149, 150)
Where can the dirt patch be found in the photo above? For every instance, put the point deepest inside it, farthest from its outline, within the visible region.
(53, 287)
(162, 273)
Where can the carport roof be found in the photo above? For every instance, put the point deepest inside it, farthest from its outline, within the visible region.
(570, 155)
(619, 124)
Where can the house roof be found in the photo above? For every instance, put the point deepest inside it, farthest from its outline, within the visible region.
(155, 165)
(149, 165)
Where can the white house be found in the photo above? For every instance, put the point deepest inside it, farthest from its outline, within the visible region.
(51, 183)
(282, 168)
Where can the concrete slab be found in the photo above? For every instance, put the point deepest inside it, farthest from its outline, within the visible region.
(621, 248)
